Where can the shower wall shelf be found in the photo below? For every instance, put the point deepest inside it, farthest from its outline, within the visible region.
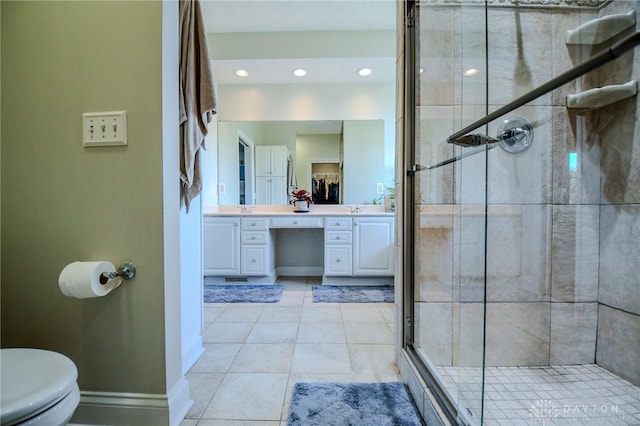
(601, 29)
(602, 96)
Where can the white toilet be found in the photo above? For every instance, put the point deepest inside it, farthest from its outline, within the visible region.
(39, 387)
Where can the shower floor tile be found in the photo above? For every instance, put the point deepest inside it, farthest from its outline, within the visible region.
(555, 395)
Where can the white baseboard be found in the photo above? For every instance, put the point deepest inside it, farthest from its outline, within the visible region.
(299, 271)
(119, 408)
(373, 281)
(180, 402)
(218, 280)
(192, 353)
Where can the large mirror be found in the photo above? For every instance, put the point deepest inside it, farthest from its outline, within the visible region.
(270, 105)
(339, 161)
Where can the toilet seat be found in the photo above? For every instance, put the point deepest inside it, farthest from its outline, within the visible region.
(36, 383)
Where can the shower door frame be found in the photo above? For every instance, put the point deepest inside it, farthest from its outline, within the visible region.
(410, 169)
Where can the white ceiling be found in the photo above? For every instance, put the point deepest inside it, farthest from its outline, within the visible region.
(297, 15)
(266, 16)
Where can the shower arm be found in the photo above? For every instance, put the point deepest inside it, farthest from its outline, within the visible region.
(602, 58)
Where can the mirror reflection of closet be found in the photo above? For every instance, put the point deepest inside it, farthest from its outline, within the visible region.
(245, 173)
(326, 181)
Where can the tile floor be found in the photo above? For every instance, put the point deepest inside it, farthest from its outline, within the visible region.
(256, 352)
(580, 395)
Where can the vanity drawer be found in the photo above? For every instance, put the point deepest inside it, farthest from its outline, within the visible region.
(254, 223)
(337, 237)
(338, 223)
(254, 237)
(296, 222)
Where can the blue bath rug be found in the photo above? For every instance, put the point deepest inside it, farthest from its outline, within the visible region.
(353, 293)
(379, 404)
(242, 293)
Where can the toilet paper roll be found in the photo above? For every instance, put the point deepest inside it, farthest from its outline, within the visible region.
(82, 279)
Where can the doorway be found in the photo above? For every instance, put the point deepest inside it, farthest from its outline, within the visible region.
(245, 173)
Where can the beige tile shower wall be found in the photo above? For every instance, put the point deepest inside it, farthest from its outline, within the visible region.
(615, 131)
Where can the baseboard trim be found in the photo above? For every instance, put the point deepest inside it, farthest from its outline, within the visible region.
(347, 280)
(180, 402)
(299, 271)
(192, 353)
(122, 408)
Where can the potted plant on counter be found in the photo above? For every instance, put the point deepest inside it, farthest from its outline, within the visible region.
(302, 200)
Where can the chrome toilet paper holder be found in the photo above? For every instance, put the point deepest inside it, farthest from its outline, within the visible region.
(127, 271)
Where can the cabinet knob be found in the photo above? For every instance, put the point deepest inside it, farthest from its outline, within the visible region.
(337, 223)
(338, 260)
(337, 237)
(253, 237)
(295, 222)
(253, 260)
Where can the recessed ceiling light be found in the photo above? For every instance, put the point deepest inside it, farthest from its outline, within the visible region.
(299, 72)
(242, 73)
(364, 72)
(471, 71)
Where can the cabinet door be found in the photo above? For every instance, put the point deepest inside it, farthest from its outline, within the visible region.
(337, 260)
(373, 246)
(221, 246)
(271, 190)
(263, 190)
(254, 260)
(279, 156)
(262, 160)
(279, 190)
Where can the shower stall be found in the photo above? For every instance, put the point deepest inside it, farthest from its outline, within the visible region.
(521, 227)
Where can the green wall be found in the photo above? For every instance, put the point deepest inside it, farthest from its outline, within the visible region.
(363, 160)
(62, 202)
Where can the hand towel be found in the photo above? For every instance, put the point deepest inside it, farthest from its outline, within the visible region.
(197, 97)
(292, 182)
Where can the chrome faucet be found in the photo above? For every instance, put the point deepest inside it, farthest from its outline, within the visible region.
(246, 209)
(355, 209)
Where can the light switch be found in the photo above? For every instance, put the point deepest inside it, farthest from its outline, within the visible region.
(379, 188)
(104, 128)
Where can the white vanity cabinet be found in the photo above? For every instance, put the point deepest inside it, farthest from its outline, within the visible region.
(221, 245)
(246, 246)
(373, 241)
(338, 250)
(256, 250)
(271, 174)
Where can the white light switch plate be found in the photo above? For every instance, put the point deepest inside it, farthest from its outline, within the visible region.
(104, 128)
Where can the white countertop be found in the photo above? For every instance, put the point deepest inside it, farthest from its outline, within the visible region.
(280, 210)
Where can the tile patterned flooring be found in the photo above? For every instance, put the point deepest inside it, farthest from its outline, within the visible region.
(577, 395)
(256, 352)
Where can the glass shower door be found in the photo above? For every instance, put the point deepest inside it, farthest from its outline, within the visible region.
(523, 276)
(450, 204)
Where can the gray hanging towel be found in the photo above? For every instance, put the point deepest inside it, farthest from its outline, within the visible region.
(197, 97)
(292, 182)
